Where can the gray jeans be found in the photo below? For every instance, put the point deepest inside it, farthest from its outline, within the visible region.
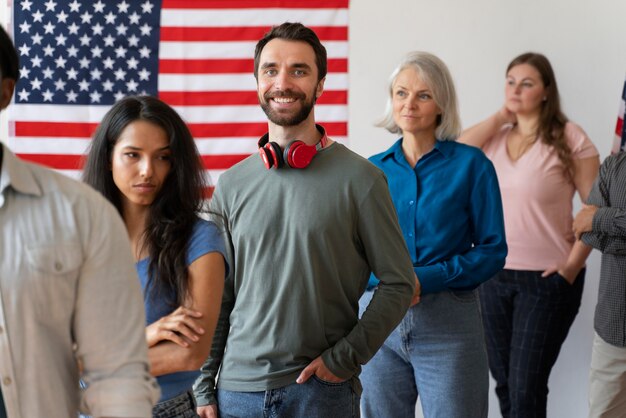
(181, 406)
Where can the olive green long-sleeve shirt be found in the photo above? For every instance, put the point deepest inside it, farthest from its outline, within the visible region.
(304, 243)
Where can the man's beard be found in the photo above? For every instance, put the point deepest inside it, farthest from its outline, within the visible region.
(287, 119)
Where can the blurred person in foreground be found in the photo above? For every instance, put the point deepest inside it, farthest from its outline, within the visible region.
(68, 294)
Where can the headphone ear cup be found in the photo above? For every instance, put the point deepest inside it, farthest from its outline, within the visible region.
(277, 154)
(298, 154)
(266, 156)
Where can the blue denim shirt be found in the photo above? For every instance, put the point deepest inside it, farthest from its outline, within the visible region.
(450, 212)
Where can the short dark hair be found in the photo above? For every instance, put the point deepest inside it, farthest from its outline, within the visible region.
(173, 213)
(294, 32)
(9, 60)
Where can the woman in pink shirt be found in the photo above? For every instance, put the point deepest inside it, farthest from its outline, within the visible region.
(541, 160)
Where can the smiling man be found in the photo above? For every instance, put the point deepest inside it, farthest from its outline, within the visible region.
(307, 221)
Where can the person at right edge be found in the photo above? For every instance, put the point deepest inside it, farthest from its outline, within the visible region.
(448, 203)
(542, 159)
(601, 223)
(307, 221)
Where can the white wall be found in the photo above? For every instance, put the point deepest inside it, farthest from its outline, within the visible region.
(584, 41)
(477, 39)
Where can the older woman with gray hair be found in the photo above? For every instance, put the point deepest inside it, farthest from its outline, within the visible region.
(448, 204)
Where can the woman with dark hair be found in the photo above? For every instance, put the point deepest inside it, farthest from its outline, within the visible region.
(449, 209)
(541, 159)
(144, 160)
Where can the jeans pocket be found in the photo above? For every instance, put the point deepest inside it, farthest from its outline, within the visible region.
(465, 296)
(327, 383)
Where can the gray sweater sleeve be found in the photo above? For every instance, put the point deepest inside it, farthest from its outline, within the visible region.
(204, 388)
(388, 257)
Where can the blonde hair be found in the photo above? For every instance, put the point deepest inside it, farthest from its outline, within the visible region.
(436, 75)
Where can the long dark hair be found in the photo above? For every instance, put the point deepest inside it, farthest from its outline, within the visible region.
(173, 213)
(552, 120)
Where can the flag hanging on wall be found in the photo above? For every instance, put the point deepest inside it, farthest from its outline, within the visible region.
(78, 57)
(619, 142)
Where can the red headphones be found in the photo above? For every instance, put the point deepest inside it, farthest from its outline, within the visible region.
(297, 154)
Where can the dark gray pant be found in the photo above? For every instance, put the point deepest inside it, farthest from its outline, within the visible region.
(526, 319)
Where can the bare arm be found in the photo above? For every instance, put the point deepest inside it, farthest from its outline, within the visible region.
(586, 171)
(180, 326)
(206, 275)
(583, 222)
(479, 134)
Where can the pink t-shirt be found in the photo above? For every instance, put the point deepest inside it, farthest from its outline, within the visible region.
(537, 199)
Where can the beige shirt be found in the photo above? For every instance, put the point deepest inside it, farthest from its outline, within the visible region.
(68, 291)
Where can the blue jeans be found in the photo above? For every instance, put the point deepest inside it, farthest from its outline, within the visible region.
(437, 352)
(527, 318)
(313, 399)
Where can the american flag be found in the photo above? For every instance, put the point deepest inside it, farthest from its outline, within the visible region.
(619, 142)
(78, 57)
